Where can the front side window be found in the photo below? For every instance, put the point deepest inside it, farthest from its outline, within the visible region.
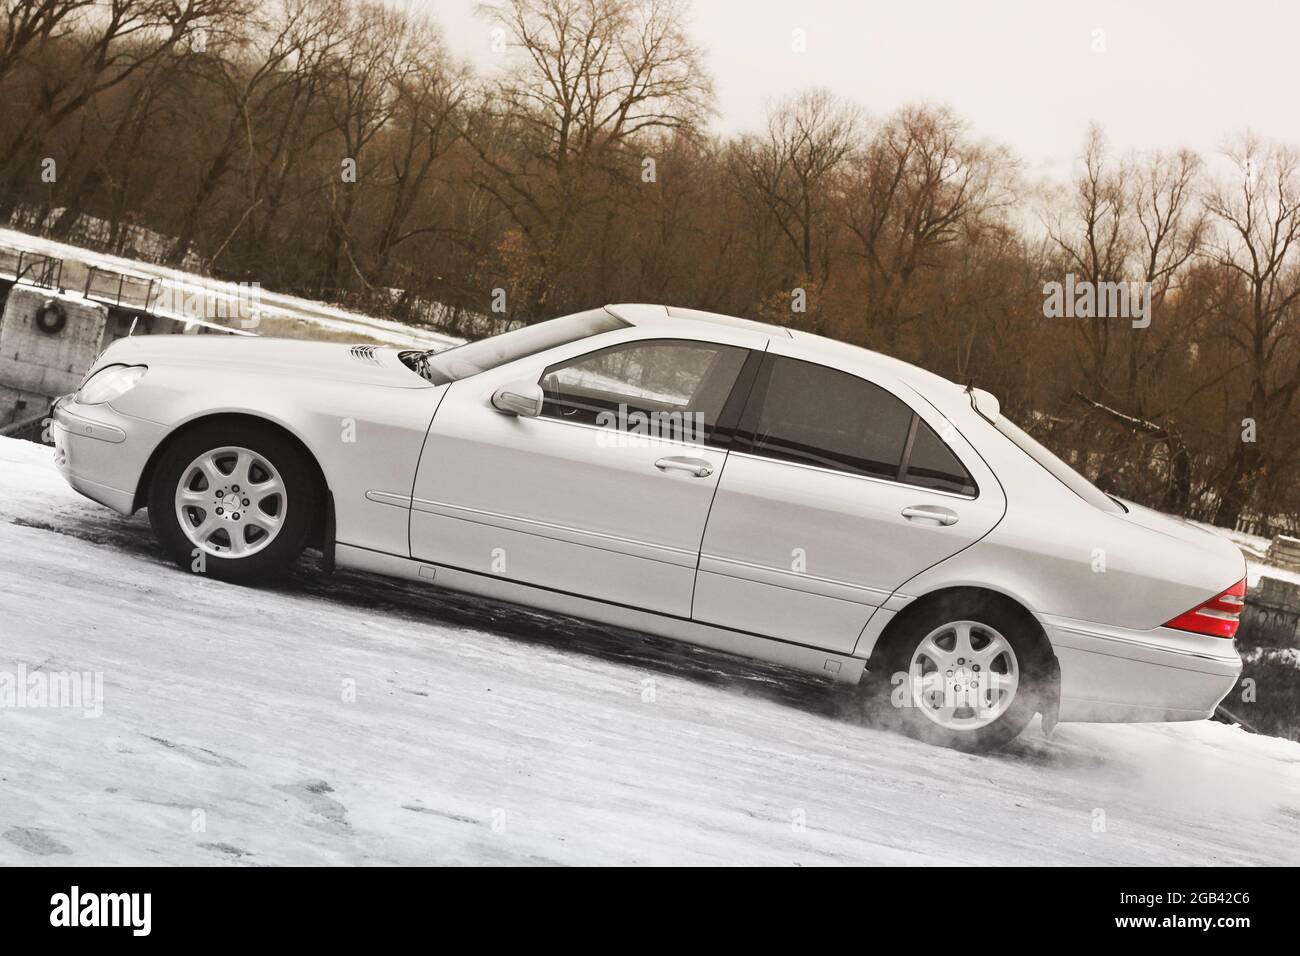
(814, 415)
(663, 388)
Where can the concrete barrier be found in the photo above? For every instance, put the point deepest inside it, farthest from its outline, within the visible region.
(1271, 617)
(37, 365)
(48, 363)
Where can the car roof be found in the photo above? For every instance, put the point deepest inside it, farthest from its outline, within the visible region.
(805, 345)
(639, 313)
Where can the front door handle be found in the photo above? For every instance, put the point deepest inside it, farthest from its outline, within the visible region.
(945, 516)
(695, 466)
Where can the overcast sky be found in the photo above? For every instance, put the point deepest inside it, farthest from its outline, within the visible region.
(1022, 73)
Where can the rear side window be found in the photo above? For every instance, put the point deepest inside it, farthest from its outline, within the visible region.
(814, 415)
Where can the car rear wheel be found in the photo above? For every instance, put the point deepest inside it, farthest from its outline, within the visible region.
(963, 672)
(234, 500)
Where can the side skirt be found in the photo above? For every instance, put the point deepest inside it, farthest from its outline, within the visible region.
(741, 643)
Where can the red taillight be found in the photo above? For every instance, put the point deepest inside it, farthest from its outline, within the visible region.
(1218, 617)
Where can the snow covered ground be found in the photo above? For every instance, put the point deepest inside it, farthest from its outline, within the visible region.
(277, 309)
(491, 734)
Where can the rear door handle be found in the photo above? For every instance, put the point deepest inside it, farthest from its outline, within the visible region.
(694, 466)
(945, 516)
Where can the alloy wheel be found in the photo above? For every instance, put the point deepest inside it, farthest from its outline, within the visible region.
(231, 502)
(963, 675)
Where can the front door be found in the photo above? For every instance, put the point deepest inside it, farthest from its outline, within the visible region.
(605, 495)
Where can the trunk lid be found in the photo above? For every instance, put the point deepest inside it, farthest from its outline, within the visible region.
(1223, 559)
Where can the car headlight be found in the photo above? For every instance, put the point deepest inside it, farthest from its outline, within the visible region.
(110, 382)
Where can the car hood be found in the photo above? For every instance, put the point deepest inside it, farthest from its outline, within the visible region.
(331, 361)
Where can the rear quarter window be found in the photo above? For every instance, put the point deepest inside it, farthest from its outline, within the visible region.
(932, 464)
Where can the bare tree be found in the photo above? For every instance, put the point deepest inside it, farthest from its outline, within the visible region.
(918, 183)
(1095, 235)
(429, 98)
(104, 44)
(112, 162)
(1172, 226)
(1258, 214)
(791, 171)
(595, 76)
(375, 63)
(1137, 219)
(249, 71)
(29, 24)
(278, 159)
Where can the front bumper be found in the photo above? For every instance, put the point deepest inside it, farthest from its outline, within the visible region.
(1114, 674)
(101, 452)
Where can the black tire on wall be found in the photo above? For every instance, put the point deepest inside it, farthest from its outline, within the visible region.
(51, 317)
(271, 461)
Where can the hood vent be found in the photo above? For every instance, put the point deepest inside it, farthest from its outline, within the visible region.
(365, 353)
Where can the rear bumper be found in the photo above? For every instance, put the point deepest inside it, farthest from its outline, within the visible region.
(102, 453)
(1114, 674)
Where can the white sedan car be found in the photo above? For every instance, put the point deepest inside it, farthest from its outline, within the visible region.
(707, 478)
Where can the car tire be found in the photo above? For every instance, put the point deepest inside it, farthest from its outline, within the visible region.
(916, 682)
(233, 500)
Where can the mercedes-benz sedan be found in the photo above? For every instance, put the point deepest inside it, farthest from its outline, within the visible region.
(707, 478)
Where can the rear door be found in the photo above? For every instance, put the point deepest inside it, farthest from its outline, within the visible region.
(835, 492)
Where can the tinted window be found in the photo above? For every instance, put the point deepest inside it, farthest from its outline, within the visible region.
(816, 415)
(462, 361)
(663, 388)
(931, 464)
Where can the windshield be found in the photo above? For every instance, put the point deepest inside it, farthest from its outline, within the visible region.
(462, 361)
(1063, 473)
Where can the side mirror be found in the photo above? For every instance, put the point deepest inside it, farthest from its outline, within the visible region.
(519, 398)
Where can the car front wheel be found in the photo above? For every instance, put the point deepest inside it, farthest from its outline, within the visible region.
(233, 500)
